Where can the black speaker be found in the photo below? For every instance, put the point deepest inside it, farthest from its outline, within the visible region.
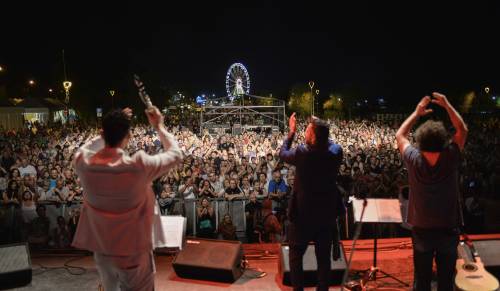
(212, 260)
(489, 252)
(310, 266)
(15, 266)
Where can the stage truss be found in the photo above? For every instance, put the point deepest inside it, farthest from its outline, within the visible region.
(245, 113)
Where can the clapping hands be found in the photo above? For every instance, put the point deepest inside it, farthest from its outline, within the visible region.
(292, 123)
(440, 100)
(421, 109)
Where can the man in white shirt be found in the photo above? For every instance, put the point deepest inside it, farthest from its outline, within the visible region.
(116, 221)
(26, 169)
(216, 183)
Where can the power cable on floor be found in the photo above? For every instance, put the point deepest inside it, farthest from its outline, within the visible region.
(72, 270)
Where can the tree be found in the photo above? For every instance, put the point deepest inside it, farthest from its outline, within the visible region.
(300, 99)
(334, 106)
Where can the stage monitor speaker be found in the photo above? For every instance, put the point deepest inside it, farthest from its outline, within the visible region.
(310, 266)
(212, 260)
(489, 252)
(15, 266)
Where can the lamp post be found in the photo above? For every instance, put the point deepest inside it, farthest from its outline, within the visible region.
(112, 93)
(67, 85)
(317, 95)
(311, 85)
(31, 85)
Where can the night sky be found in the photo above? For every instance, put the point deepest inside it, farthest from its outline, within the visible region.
(399, 52)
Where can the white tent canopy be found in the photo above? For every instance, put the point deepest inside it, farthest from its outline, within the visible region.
(11, 117)
(15, 112)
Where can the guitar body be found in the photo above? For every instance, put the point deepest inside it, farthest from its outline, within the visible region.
(471, 275)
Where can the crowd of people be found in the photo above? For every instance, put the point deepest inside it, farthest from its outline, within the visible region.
(36, 170)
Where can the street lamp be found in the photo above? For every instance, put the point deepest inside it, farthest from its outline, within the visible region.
(112, 93)
(67, 85)
(1, 69)
(317, 95)
(311, 85)
(31, 82)
(50, 90)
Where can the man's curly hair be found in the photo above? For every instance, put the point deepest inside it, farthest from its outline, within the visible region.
(431, 136)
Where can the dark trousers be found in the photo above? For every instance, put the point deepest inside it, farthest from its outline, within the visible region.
(299, 237)
(252, 237)
(441, 245)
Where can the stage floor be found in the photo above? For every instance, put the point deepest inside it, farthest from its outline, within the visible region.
(394, 257)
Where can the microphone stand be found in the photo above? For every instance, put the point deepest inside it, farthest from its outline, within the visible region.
(357, 232)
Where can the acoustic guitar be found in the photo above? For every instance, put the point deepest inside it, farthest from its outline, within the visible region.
(471, 275)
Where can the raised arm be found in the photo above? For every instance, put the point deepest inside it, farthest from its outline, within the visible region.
(160, 164)
(286, 153)
(404, 129)
(457, 121)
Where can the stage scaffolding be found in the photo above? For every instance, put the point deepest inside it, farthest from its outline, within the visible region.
(246, 112)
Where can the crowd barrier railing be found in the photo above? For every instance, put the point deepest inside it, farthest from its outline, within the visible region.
(186, 207)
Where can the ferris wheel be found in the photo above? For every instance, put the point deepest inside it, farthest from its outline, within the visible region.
(237, 81)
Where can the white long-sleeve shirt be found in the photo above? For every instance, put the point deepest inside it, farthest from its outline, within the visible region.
(117, 215)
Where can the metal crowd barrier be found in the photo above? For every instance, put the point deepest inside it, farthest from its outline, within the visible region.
(9, 212)
(235, 208)
(185, 207)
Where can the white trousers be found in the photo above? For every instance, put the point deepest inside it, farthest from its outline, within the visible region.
(126, 272)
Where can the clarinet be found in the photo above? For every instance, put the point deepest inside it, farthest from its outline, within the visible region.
(142, 92)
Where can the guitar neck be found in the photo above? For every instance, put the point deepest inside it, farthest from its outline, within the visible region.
(470, 245)
(465, 254)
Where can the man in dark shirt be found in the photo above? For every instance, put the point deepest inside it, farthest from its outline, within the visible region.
(7, 159)
(252, 209)
(233, 191)
(433, 203)
(315, 203)
(225, 145)
(40, 226)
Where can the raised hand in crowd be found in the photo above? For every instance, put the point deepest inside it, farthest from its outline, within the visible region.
(155, 118)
